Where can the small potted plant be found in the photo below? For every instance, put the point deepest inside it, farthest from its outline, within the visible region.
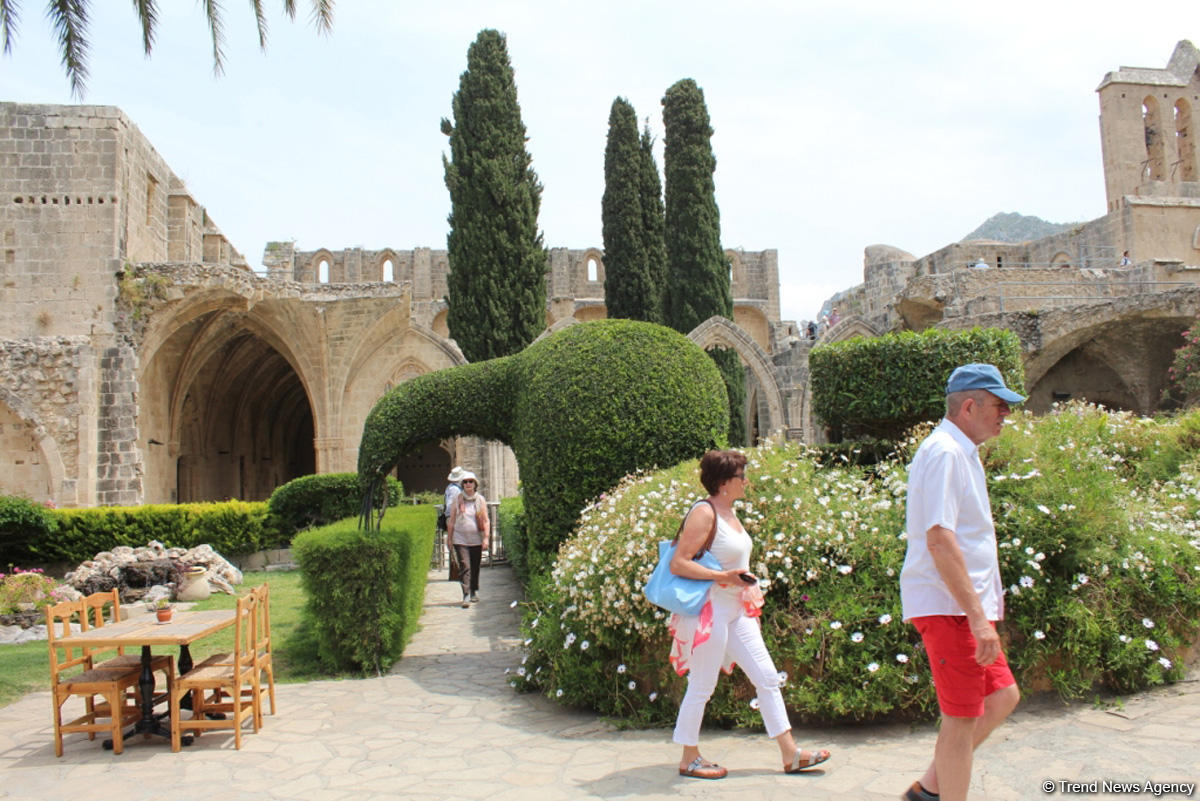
(162, 609)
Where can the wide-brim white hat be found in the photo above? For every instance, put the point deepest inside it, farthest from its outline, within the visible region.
(458, 474)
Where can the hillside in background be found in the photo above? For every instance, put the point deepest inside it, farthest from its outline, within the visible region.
(1013, 227)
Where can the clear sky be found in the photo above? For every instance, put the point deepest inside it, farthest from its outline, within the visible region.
(838, 125)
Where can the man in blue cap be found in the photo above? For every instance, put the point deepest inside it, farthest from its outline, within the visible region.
(950, 586)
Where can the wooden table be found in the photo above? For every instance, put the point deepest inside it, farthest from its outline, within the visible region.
(145, 631)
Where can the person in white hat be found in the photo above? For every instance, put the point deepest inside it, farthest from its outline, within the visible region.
(468, 531)
(453, 488)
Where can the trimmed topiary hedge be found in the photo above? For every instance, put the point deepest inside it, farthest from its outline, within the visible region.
(230, 527)
(580, 409)
(366, 588)
(318, 500)
(24, 525)
(510, 519)
(882, 386)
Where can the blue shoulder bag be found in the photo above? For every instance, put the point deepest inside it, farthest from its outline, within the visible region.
(674, 593)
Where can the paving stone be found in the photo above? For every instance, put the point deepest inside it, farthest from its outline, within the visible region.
(445, 725)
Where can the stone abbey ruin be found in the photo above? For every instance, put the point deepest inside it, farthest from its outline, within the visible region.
(143, 361)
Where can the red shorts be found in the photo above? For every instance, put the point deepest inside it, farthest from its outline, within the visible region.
(960, 681)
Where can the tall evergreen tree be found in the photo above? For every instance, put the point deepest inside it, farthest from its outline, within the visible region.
(698, 272)
(653, 224)
(496, 288)
(630, 290)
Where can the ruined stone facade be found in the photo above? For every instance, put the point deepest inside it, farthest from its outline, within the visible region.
(1092, 327)
(143, 361)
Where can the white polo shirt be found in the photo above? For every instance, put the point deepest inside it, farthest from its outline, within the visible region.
(946, 487)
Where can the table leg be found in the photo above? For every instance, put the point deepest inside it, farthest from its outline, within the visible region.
(148, 724)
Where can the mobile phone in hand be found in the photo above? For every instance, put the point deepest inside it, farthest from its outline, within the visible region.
(749, 578)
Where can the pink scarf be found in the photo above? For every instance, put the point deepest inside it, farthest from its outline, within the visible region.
(690, 631)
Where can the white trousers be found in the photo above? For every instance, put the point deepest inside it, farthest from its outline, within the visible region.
(741, 636)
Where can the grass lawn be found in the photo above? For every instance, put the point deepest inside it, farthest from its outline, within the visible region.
(26, 668)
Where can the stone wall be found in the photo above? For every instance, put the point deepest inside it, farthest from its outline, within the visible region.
(46, 386)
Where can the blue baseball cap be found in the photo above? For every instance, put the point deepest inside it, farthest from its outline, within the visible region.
(981, 376)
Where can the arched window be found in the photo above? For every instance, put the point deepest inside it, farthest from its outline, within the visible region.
(389, 271)
(323, 271)
(1185, 145)
(1156, 162)
(593, 269)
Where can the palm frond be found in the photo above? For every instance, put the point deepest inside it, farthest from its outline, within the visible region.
(212, 10)
(147, 13)
(260, 19)
(8, 22)
(69, 18)
(322, 15)
(289, 8)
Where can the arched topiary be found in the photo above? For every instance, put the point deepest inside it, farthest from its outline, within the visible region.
(580, 409)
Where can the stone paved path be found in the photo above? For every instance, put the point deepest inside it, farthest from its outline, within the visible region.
(445, 725)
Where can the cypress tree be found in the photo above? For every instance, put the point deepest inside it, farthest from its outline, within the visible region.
(630, 290)
(496, 288)
(697, 270)
(653, 225)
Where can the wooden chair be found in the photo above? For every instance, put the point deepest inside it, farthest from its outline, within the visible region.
(67, 680)
(262, 655)
(262, 648)
(223, 674)
(94, 618)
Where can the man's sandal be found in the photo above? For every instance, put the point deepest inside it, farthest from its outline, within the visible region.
(800, 764)
(918, 793)
(699, 769)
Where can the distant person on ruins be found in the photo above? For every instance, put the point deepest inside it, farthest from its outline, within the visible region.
(981, 264)
(834, 317)
(1125, 260)
(812, 330)
(469, 532)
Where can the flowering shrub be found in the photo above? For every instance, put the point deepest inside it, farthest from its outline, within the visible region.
(22, 588)
(1101, 558)
(1184, 373)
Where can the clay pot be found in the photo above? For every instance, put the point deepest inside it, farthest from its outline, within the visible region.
(194, 586)
(164, 615)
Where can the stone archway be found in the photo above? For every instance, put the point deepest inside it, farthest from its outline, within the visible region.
(34, 466)
(849, 328)
(719, 332)
(225, 411)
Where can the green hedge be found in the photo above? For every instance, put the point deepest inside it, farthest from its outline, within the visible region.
(24, 524)
(510, 519)
(1097, 521)
(230, 527)
(318, 500)
(882, 386)
(580, 409)
(366, 588)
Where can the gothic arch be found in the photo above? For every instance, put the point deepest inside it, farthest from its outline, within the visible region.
(848, 329)
(46, 445)
(383, 257)
(1185, 141)
(584, 273)
(311, 273)
(1156, 160)
(737, 273)
(717, 331)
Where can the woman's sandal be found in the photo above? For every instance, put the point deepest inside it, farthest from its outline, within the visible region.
(799, 764)
(699, 769)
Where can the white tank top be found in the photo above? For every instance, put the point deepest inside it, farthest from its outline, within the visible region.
(731, 545)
